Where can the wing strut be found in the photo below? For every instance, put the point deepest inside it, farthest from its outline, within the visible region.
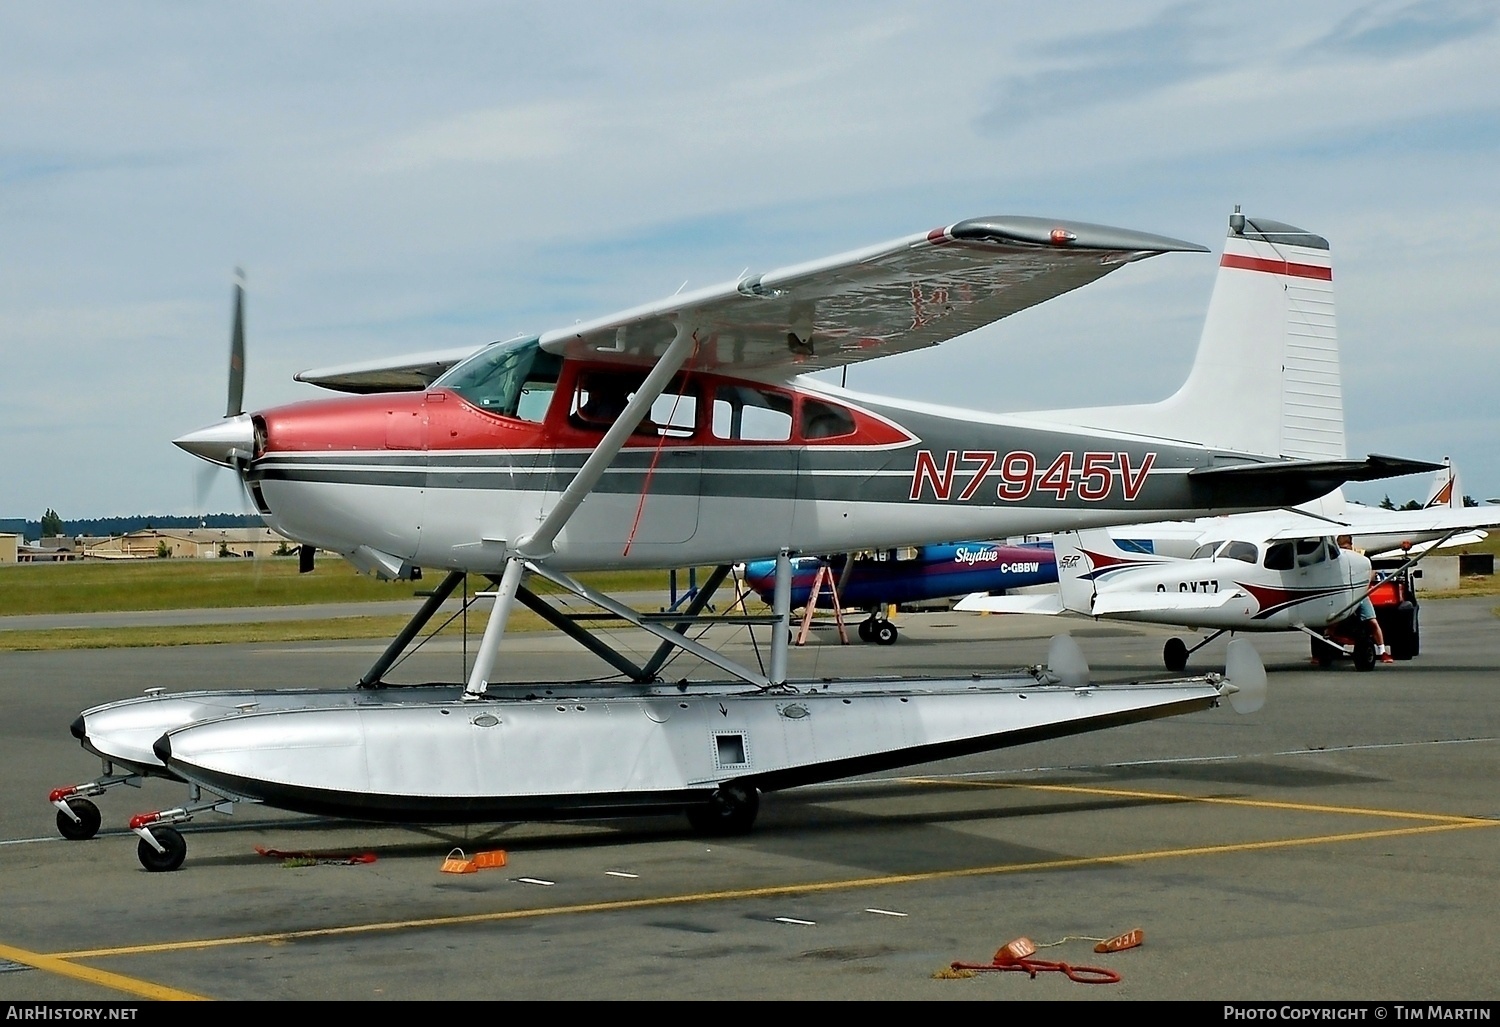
(1407, 565)
(538, 544)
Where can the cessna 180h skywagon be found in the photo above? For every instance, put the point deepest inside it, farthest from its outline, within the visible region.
(685, 432)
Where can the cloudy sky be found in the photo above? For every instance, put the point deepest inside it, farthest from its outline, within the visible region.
(399, 177)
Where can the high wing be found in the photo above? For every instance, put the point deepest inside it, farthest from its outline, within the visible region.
(1426, 522)
(904, 295)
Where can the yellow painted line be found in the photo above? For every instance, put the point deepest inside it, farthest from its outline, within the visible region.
(1219, 800)
(770, 892)
(117, 982)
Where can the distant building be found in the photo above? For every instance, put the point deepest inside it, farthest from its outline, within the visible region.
(198, 543)
(75, 544)
(10, 546)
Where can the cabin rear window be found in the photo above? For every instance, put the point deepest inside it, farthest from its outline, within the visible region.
(824, 421)
(744, 413)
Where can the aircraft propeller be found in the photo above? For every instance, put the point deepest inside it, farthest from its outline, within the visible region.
(237, 349)
(1246, 676)
(231, 458)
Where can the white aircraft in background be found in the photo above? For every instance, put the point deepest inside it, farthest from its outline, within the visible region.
(1273, 571)
(1376, 530)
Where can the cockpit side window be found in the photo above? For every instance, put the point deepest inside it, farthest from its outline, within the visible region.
(1280, 557)
(1247, 552)
(599, 398)
(1204, 551)
(1310, 551)
(515, 379)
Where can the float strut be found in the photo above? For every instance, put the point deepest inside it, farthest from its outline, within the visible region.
(694, 608)
(505, 597)
(781, 609)
(562, 622)
(439, 596)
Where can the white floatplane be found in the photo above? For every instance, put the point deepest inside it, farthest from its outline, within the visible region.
(685, 432)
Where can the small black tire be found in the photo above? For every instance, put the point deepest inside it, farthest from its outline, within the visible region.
(731, 810)
(1175, 654)
(160, 862)
(885, 633)
(1364, 654)
(866, 631)
(87, 824)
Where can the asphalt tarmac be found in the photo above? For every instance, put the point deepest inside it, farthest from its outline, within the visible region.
(1340, 844)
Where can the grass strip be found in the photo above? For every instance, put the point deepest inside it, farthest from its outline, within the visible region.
(114, 586)
(330, 629)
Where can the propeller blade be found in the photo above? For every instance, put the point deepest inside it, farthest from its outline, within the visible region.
(237, 350)
(1066, 664)
(203, 482)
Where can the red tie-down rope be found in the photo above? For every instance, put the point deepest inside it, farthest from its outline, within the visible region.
(661, 440)
(1013, 956)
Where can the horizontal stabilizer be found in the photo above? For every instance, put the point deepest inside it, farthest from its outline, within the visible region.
(1290, 482)
(981, 602)
(412, 372)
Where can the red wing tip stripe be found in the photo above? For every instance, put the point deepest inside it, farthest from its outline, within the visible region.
(937, 236)
(1277, 267)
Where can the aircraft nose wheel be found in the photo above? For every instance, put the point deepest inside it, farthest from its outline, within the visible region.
(87, 824)
(884, 633)
(730, 810)
(1175, 654)
(173, 846)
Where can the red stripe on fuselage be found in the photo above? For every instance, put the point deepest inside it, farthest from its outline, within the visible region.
(441, 419)
(1277, 267)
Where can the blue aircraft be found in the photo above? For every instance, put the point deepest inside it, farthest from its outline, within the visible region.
(875, 581)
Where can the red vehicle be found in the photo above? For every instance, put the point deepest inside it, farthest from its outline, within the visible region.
(1395, 602)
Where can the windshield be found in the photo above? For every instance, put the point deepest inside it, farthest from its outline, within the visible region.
(512, 378)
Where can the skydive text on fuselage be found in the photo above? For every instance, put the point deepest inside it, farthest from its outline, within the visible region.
(961, 474)
(965, 555)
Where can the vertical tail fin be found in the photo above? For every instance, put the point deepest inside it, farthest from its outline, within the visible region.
(1084, 559)
(1445, 490)
(1266, 377)
(1073, 568)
